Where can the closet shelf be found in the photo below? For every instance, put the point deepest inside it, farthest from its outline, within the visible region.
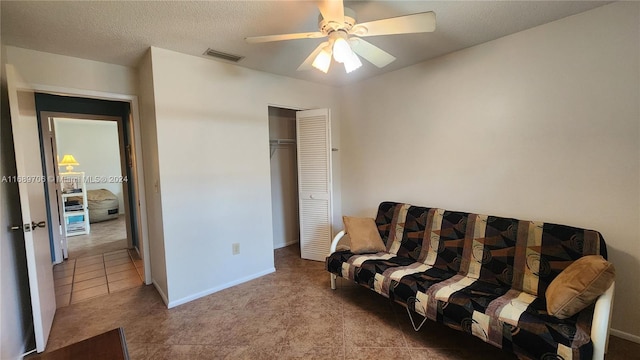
(273, 143)
(282, 141)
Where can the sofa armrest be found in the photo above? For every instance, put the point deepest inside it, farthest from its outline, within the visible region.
(332, 249)
(336, 240)
(601, 323)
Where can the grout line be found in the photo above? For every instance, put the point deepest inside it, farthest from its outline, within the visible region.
(106, 278)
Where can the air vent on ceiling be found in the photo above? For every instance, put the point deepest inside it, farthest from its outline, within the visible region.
(223, 56)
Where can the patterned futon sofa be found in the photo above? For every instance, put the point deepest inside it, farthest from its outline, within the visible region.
(484, 275)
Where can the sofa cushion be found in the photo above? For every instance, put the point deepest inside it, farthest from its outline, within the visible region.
(384, 217)
(519, 323)
(363, 234)
(375, 273)
(544, 250)
(489, 249)
(409, 245)
(409, 290)
(579, 285)
(443, 242)
(396, 230)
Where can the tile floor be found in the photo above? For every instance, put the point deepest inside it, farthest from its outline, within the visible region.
(96, 275)
(289, 314)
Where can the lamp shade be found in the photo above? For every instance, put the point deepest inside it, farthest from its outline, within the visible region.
(352, 63)
(69, 161)
(323, 60)
(341, 50)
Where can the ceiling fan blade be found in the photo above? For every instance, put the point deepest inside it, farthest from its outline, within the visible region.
(332, 10)
(307, 64)
(415, 23)
(268, 38)
(371, 53)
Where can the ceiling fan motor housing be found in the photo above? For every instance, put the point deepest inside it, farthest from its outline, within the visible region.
(331, 25)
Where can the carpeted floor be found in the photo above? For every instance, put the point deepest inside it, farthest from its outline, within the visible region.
(106, 236)
(290, 314)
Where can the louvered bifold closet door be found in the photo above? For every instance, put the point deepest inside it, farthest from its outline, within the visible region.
(314, 182)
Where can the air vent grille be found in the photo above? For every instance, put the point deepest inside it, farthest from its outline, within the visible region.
(222, 55)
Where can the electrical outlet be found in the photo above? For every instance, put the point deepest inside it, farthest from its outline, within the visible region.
(235, 248)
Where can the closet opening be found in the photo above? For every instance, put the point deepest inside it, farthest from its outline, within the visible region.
(284, 176)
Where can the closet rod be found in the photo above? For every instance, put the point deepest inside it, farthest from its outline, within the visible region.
(281, 141)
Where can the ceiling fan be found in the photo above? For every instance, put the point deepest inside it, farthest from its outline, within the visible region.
(344, 36)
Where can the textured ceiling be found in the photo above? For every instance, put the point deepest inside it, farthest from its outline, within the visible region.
(120, 32)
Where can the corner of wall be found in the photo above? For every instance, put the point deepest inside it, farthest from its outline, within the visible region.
(152, 175)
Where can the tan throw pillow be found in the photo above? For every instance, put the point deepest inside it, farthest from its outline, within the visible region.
(579, 285)
(363, 234)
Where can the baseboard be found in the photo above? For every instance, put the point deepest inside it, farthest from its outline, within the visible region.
(185, 300)
(162, 294)
(285, 244)
(625, 335)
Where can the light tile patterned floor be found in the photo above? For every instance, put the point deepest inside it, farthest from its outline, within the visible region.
(96, 275)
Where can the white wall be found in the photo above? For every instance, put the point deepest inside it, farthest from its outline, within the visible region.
(96, 147)
(212, 129)
(540, 125)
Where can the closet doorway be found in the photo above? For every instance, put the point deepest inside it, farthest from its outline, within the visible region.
(301, 186)
(284, 176)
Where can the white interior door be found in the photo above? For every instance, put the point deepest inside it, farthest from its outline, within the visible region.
(314, 182)
(33, 204)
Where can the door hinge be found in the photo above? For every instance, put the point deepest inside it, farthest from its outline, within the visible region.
(25, 227)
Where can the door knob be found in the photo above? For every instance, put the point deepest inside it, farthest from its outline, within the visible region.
(40, 224)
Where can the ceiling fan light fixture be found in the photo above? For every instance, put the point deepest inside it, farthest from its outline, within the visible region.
(338, 23)
(352, 63)
(341, 50)
(322, 61)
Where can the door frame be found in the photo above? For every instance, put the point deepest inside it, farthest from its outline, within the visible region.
(48, 117)
(137, 141)
(332, 204)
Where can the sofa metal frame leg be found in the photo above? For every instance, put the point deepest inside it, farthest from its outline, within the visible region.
(333, 281)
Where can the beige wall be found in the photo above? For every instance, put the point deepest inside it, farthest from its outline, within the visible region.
(540, 125)
(151, 185)
(214, 172)
(41, 68)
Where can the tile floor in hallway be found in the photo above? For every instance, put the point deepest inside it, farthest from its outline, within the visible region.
(96, 275)
(289, 314)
